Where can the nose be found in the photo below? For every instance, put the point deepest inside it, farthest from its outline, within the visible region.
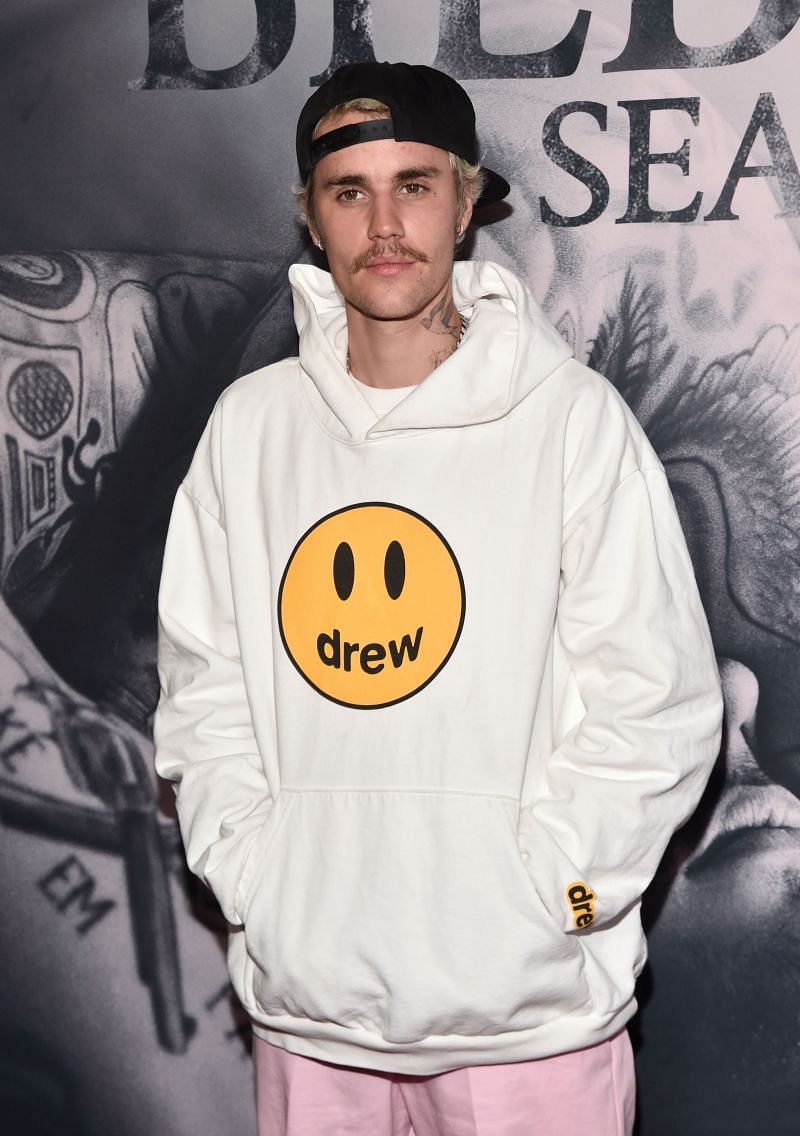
(385, 221)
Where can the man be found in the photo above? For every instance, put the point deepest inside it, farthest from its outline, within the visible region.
(437, 685)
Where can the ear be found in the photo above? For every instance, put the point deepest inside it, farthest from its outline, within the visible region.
(466, 214)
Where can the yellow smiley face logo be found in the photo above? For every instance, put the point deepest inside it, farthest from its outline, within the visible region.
(371, 605)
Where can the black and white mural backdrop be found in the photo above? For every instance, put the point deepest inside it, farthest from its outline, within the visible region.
(146, 224)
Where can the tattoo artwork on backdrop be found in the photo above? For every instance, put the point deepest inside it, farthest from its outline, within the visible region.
(109, 366)
(697, 328)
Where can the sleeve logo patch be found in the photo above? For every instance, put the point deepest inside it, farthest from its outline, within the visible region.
(581, 900)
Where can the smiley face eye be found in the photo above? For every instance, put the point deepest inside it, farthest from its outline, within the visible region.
(394, 569)
(344, 570)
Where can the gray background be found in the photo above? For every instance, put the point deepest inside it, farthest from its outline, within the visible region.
(176, 204)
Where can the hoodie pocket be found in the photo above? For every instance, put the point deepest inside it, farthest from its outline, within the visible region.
(409, 914)
(260, 844)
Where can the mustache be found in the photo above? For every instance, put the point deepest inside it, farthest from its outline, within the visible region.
(387, 248)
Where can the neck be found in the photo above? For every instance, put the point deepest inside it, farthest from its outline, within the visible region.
(403, 352)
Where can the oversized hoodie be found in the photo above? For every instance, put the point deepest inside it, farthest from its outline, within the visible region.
(437, 689)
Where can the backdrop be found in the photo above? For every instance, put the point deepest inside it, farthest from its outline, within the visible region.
(146, 224)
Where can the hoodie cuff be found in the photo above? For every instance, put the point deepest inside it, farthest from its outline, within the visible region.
(569, 894)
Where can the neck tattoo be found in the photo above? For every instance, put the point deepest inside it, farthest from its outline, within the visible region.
(462, 330)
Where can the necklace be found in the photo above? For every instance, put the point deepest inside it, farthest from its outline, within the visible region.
(462, 330)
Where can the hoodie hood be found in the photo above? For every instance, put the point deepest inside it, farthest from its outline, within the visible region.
(509, 349)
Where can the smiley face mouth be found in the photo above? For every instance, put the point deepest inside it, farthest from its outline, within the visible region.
(337, 652)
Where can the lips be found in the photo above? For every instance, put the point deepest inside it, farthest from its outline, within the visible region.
(744, 811)
(388, 266)
(376, 261)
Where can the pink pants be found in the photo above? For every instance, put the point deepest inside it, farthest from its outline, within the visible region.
(589, 1091)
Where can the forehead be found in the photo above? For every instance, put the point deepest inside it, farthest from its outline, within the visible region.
(383, 158)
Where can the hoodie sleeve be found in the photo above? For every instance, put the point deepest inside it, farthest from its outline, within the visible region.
(631, 629)
(204, 734)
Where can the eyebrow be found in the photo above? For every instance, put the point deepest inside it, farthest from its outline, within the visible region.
(417, 172)
(411, 174)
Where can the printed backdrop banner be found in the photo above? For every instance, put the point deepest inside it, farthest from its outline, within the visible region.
(146, 225)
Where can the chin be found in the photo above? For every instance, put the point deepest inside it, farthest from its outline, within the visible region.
(393, 306)
(718, 1043)
(399, 298)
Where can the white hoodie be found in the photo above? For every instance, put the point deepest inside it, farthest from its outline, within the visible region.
(437, 688)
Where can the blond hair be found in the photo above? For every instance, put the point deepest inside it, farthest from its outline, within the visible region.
(468, 176)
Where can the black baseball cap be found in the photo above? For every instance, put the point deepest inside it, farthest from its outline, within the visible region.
(425, 105)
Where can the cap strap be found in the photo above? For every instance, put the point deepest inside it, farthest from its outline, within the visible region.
(350, 135)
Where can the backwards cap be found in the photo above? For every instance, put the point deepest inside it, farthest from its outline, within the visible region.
(425, 105)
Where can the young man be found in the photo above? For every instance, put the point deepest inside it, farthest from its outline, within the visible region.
(437, 686)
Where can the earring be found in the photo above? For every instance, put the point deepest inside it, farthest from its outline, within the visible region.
(320, 245)
(459, 230)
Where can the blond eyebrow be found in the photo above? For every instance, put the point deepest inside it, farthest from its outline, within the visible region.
(411, 174)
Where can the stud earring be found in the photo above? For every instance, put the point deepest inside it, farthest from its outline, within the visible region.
(320, 245)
